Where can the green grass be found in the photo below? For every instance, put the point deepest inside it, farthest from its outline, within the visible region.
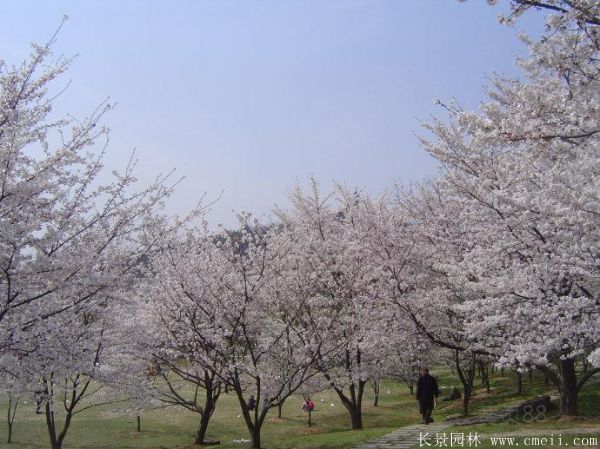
(173, 428)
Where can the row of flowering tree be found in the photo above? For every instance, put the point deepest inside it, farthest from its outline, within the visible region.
(71, 239)
(520, 186)
(102, 299)
(264, 311)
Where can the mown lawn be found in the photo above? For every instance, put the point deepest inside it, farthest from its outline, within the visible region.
(172, 428)
(175, 428)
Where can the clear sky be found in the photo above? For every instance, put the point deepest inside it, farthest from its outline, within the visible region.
(251, 97)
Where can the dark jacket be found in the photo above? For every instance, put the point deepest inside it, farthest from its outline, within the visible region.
(427, 388)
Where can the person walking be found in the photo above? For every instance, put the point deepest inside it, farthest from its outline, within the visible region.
(427, 393)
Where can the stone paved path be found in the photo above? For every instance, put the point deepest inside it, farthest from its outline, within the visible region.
(405, 437)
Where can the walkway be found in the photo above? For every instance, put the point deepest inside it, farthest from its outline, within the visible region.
(409, 436)
(406, 437)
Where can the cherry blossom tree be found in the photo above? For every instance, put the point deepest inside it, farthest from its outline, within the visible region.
(69, 243)
(64, 364)
(417, 280)
(524, 172)
(220, 294)
(14, 391)
(170, 356)
(582, 11)
(391, 235)
(332, 277)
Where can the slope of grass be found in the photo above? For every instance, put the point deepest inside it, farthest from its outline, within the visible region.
(173, 428)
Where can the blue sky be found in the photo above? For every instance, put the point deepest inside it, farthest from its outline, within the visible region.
(251, 97)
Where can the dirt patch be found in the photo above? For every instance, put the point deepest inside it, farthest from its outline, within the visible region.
(308, 431)
(573, 418)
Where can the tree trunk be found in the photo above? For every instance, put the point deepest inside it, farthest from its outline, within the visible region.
(519, 383)
(256, 437)
(354, 406)
(209, 408)
(280, 408)
(253, 425)
(13, 403)
(353, 403)
(485, 375)
(56, 439)
(465, 402)
(356, 417)
(55, 443)
(466, 376)
(139, 423)
(201, 434)
(568, 387)
(376, 386)
(411, 387)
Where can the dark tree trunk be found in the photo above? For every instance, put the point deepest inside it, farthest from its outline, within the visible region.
(466, 376)
(411, 387)
(202, 428)
(259, 419)
(256, 438)
(56, 440)
(78, 389)
(13, 403)
(210, 403)
(376, 385)
(485, 375)
(280, 409)
(519, 383)
(354, 404)
(530, 375)
(253, 418)
(356, 417)
(139, 423)
(465, 401)
(568, 387)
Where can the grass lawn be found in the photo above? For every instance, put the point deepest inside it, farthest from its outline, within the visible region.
(174, 428)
